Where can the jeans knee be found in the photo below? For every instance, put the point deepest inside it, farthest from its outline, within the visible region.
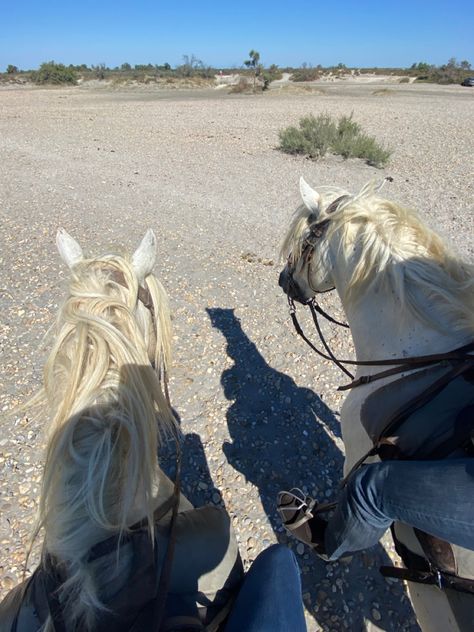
(365, 488)
(279, 556)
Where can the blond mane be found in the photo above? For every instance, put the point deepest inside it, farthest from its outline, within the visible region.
(108, 415)
(396, 250)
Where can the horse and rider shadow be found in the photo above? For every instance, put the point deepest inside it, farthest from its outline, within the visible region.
(283, 436)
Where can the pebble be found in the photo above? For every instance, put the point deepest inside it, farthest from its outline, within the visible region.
(376, 615)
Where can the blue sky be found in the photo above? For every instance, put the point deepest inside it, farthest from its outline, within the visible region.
(364, 33)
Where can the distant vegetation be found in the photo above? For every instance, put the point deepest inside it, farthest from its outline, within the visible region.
(260, 76)
(53, 73)
(252, 71)
(452, 72)
(316, 136)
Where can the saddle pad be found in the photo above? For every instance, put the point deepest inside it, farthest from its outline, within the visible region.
(445, 417)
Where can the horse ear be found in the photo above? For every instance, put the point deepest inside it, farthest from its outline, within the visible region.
(69, 249)
(144, 256)
(311, 198)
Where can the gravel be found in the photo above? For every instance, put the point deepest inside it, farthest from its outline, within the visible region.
(259, 413)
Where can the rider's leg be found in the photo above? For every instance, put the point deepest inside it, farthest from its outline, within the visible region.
(270, 598)
(434, 496)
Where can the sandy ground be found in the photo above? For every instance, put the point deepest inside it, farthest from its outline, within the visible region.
(259, 413)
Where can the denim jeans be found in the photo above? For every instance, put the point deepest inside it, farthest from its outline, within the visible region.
(434, 496)
(270, 598)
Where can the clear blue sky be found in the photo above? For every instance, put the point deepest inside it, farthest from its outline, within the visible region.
(365, 33)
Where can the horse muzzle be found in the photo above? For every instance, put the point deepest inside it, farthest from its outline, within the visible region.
(290, 286)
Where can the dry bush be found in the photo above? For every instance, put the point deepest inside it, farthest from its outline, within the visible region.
(316, 136)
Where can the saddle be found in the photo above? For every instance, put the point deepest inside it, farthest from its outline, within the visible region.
(205, 577)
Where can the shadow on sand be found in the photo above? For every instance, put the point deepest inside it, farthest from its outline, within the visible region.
(284, 436)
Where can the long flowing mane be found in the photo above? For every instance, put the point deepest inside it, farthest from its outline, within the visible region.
(395, 249)
(107, 417)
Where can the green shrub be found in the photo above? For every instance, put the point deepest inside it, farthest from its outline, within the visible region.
(292, 141)
(271, 74)
(50, 72)
(348, 131)
(367, 148)
(316, 136)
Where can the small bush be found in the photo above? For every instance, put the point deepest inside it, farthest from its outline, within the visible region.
(53, 73)
(306, 74)
(242, 87)
(316, 136)
(292, 141)
(320, 134)
(348, 131)
(367, 148)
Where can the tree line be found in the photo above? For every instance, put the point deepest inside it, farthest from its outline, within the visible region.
(191, 66)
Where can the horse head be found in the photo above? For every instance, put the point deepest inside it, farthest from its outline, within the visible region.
(310, 268)
(107, 409)
(135, 282)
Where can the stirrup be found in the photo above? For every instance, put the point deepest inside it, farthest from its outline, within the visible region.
(296, 509)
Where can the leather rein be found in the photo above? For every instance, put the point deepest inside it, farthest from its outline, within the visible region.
(459, 355)
(171, 503)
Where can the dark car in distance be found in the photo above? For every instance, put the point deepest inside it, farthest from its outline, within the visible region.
(469, 81)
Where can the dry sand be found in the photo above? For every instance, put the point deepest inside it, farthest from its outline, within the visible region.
(259, 413)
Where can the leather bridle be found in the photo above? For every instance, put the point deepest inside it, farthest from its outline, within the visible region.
(316, 231)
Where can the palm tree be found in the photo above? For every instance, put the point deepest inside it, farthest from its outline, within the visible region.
(253, 63)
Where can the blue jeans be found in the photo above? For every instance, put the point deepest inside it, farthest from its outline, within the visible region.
(434, 496)
(270, 598)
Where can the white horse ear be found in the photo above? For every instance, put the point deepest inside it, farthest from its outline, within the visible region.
(69, 249)
(144, 257)
(311, 198)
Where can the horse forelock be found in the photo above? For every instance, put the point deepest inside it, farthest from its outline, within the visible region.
(302, 221)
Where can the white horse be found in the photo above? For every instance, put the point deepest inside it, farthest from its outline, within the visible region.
(404, 294)
(102, 482)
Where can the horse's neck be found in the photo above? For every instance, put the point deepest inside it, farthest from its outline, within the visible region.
(382, 329)
(162, 492)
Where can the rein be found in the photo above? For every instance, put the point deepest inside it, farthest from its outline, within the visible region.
(459, 355)
(165, 575)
